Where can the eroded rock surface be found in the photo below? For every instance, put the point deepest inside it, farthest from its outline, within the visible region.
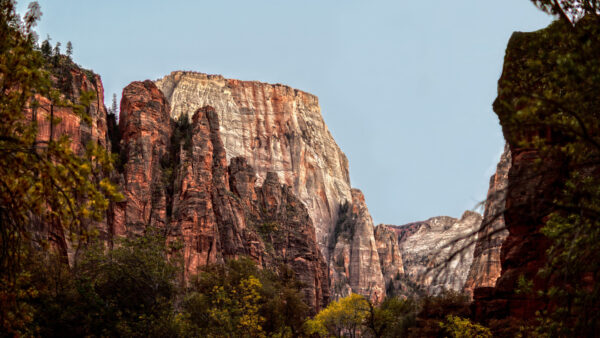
(277, 129)
(145, 128)
(486, 266)
(176, 177)
(280, 129)
(436, 254)
(354, 259)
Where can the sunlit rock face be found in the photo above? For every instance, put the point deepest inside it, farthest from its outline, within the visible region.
(280, 129)
(486, 266)
(216, 211)
(436, 254)
(354, 259)
(73, 86)
(390, 256)
(145, 129)
(277, 129)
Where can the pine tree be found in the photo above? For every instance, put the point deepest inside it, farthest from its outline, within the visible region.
(69, 49)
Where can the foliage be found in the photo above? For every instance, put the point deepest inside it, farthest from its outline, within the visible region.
(126, 291)
(434, 309)
(392, 318)
(458, 327)
(43, 183)
(569, 10)
(549, 96)
(238, 299)
(344, 316)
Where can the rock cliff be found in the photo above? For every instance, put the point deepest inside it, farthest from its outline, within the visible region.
(280, 129)
(176, 177)
(486, 267)
(354, 260)
(436, 254)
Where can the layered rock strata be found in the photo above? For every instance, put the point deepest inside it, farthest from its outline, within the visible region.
(176, 177)
(532, 189)
(74, 83)
(390, 255)
(280, 129)
(277, 129)
(486, 266)
(354, 259)
(436, 254)
(145, 129)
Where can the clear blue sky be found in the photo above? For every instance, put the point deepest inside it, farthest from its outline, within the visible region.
(405, 87)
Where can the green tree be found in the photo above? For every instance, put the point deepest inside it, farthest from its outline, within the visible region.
(69, 49)
(459, 327)
(569, 10)
(46, 48)
(549, 105)
(42, 182)
(341, 317)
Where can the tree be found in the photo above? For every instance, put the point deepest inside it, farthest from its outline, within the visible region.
(69, 49)
(569, 10)
(56, 54)
(341, 317)
(46, 48)
(42, 182)
(548, 104)
(114, 107)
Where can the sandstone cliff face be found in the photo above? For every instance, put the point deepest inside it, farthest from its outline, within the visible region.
(530, 192)
(71, 124)
(390, 256)
(80, 132)
(145, 131)
(276, 128)
(279, 129)
(486, 267)
(176, 177)
(354, 259)
(428, 253)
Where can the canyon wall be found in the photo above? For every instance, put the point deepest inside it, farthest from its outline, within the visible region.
(280, 129)
(176, 177)
(486, 266)
(436, 254)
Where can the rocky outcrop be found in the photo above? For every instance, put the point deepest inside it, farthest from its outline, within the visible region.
(280, 129)
(145, 128)
(436, 254)
(176, 177)
(75, 85)
(81, 132)
(354, 259)
(486, 266)
(390, 256)
(277, 129)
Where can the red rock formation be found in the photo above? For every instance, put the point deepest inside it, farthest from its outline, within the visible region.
(279, 129)
(354, 262)
(71, 123)
(145, 127)
(214, 210)
(530, 194)
(390, 256)
(486, 266)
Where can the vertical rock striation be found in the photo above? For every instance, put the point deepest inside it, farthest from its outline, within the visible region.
(390, 255)
(176, 177)
(436, 254)
(354, 259)
(486, 267)
(145, 128)
(277, 129)
(280, 129)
